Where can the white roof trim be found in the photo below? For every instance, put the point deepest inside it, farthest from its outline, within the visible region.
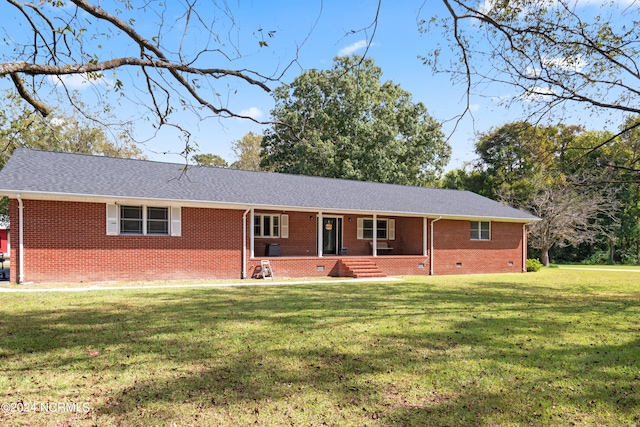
(51, 196)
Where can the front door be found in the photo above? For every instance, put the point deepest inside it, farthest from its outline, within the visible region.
(331, 235)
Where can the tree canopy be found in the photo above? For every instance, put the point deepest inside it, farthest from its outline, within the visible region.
(554, 173)
(186, 55)
(209, 159)
(557, 55)
(247, 152)
(21, 127)
(345, 123)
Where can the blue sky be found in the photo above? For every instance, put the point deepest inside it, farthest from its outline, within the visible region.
(313, 33)
(323, 30)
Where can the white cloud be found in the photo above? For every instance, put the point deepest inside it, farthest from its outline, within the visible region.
(57, 121)
(253, 112)
(354, 47)
(502, 98)
(532, 72)
(606, 3)
(537, 93)
(78, 81)
(489, 6)
(573, 63)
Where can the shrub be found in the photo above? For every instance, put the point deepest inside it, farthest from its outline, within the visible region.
(598, 258)
(630, 257)
(533, 264)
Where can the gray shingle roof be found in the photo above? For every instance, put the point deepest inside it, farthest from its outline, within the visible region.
(65, 175)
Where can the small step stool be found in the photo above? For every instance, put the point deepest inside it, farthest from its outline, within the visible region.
(265, 269)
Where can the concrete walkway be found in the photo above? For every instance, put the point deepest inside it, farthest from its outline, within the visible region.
(247, 282)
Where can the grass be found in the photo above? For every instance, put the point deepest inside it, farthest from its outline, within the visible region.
(596, 266)
(557, 347)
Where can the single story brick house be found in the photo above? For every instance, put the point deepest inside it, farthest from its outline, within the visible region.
(92, 218)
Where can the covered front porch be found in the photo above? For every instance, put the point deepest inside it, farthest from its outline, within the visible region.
(316, 244)
(342, 266)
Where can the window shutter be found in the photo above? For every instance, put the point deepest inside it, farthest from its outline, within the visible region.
(360, 228)
(284, 226)
(176, 221)
(391, 229)
(112, 220)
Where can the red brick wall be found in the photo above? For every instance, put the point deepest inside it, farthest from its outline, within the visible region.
(409, 236)
(330, 266)
(452, 245)
(303, 231)
(4, 241)
(297, 267)
(301, 240)
(67, 241)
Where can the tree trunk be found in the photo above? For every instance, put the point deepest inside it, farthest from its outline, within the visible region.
(545, 257)
(612, 250)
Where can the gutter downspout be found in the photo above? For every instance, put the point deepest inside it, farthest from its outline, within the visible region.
(252, 236)
(244, 243)
(20, 239)
(425, 248)
(431, 246)
(524, 247)
(320, 234)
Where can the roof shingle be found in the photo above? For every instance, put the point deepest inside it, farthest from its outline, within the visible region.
(64, 174)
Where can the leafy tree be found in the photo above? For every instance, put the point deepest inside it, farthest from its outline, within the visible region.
(518, 158)
(21, 127)
(610, 159)
(629, 232)
(209, 159)
(346, 123)
(570, 215)
(624, 152)
(557, 55)
(247, 151)
(467, 179)
(552, 172)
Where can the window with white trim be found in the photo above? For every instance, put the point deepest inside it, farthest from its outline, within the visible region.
(480, 230)
(131, 220)
(143, 220)
(157, 220)
(269, 225)
(385, 229)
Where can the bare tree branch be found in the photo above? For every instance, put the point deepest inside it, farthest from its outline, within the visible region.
(61, 70)
(37, 105)
(556, 53)
(68, 41)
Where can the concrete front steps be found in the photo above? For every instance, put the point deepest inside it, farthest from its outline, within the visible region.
(360, 268)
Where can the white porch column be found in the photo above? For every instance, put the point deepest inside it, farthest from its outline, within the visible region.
(252, 236)
(431, 249)
(524, 248)
(424, 236)
(320, 234)
(375, 235)
(244, 243)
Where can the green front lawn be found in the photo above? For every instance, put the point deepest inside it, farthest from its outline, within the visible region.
(557, 347)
